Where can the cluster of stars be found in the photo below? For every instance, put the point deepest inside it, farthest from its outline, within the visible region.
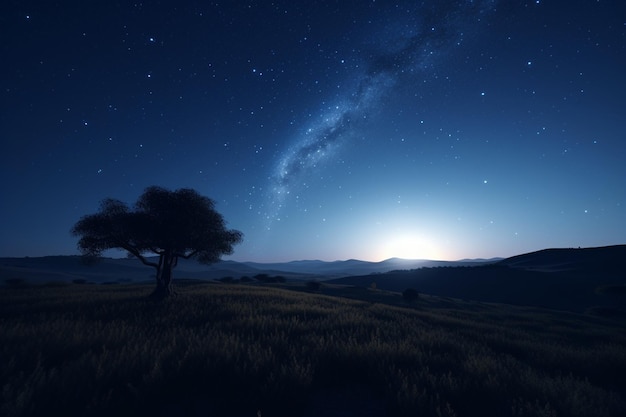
(291, 115)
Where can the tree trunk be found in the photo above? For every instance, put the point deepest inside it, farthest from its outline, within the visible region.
(164, 286)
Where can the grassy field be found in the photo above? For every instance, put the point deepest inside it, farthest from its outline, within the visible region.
(233, 349)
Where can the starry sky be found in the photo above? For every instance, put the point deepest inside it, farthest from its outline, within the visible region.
(325, 130)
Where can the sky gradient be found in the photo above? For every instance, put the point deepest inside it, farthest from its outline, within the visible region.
(323, 130)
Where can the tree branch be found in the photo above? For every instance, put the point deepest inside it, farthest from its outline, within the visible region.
(189, 255)
(135, 252)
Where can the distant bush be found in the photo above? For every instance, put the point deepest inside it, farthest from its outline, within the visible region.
(410, 295)
(269, 279)
(245, 279)
(79, 281)
(226, 280)
(313, 285)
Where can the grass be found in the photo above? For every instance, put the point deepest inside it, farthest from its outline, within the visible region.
(230, 350)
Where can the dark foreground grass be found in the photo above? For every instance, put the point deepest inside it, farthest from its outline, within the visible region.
(228, 350)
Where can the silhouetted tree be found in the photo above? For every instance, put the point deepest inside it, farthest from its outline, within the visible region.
(170, 224)
(262, 277)
(410, 295)
(269, 279)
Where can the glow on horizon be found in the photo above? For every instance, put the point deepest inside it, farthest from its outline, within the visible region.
(444, 131)
(409, 246)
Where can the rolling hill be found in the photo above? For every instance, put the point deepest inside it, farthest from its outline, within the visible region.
(70, 268)
(563, 279)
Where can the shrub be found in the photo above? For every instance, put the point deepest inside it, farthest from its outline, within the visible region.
(410, 295)
(268, 279)
(313, 285)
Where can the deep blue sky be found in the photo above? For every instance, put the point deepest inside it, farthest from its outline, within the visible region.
(323, 130)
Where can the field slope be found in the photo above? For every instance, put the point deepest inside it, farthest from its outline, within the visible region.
(230, 350)
(560, 279)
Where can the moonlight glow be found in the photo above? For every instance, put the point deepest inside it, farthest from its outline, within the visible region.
(410, 246)
(418, 129)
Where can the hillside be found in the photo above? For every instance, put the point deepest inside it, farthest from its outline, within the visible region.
(230, 350)
(562, 279)
(605, 260)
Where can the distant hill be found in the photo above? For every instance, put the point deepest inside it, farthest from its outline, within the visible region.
(607, 260)
(564, 279)
(70, 268)
(327, 270)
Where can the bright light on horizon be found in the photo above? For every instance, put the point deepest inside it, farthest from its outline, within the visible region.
(409, 246)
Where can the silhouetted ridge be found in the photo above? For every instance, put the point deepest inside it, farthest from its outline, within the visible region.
(563, 279)
(605, 258)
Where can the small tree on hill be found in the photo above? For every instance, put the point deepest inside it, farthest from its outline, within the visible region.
(410, 295)
(170, 224)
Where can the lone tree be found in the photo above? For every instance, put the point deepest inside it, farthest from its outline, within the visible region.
(170, 224)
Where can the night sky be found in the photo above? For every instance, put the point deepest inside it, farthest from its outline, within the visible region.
(322, 129)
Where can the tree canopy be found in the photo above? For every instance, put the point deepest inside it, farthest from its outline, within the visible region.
(170, 224)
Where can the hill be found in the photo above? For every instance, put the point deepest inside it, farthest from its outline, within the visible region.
(605, 260)
(327, 270)
(563, 279)
(70, 268)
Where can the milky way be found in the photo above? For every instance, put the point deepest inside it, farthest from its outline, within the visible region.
(403, 50)
(323, 130)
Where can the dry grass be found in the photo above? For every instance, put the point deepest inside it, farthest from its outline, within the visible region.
(218, 350)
